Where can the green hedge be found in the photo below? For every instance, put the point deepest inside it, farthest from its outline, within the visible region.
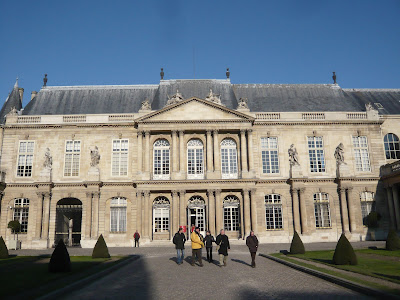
(100, 250)
(344, 252)
(392, 241)
(297, 246)
(60, 261)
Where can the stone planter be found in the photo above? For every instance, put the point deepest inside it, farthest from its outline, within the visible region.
(14, 244)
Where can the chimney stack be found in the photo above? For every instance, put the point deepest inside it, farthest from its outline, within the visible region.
(33, 95)
(21, 93)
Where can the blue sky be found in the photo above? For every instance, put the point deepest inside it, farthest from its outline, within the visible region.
(126, 42)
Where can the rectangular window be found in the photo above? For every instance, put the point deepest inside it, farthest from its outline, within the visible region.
(161, 219)
(231, 218)
(72, 158)
(321, 210)
(119, 157)
(269, 155)
(118, 219)
(316, 154)
(361, 154)
(25, 158)
(367, 205)
(273, 212)
(21, 213)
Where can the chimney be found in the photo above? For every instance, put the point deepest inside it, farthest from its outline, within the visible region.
(33, 95)
(21, 93)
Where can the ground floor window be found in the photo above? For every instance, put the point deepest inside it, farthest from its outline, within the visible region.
(161, 211)
(321, 209)
(231, 213)
(367, 205)
(21, 213)
(118, 214)
(273, 211)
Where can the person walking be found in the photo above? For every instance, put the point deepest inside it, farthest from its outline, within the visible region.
(223, 246)
(197, 244)
(208, 240)
(252, 243)
(136, 236)
(179, 241)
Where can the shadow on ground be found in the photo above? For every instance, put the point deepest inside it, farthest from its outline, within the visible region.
(256, 295)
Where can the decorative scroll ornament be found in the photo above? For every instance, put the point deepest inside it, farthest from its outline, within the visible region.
(161, 202)
(196, 201)
(214, 98)
(146, 105)
(231, 201)
(94, 157)
(48, 159)
(243, 104)
(293, 156)
(339, 154)
(175, 98)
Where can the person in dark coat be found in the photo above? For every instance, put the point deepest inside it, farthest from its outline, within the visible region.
(223, 244)
(179, 241)
(208, 240)
(252, 243)
(136, 236)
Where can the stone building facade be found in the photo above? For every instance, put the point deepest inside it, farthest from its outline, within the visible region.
(82, 161)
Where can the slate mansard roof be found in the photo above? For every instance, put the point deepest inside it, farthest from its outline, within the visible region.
(261, 97)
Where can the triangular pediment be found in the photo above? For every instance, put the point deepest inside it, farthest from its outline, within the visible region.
(195, 109)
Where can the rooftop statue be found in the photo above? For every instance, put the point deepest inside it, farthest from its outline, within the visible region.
(369, 107)
(293, 156)
(339, 154)
(214, 98)
(162, 74)
(45, 80)
(243, 104)
(175, 98)
(227, 73)
(94, 157)
(146, 105)
(334, 78)
(13, 111)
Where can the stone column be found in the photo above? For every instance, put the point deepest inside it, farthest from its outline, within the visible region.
(88, 222)
(253, 204)
(352, 209)
(395, 191)
(218, 211)
(181, 153)
(175, 212)
(217, 163)
(139, 201)
(182, 208)
(303, 212)
(52, 222)
(243, 150)
(296, 211)
(247, 219)
(345, 213)
(147, 222)
(209, 152)
(174, 151)
(147, 153)
(95, 216)
(46, 215)
(39, 215)
(211, 211)
(250, 147)
(391, 208)
(242, 222)
(140, 152)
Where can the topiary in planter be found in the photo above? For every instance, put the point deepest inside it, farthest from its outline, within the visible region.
(392, 241)
(344, 252)
(3, 249)
(60, 261)
(100, 250)
(297, 247)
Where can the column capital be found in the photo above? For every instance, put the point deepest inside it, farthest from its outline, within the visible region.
(209, 131)
(253, 191)
(349, 189)
(96, 194)
(181, 132)
(215, 131)
(250, 131)
(302, 190)
(89, 194)
(182, 192)
(217, 191)
(40, 194)
(174, 132)
(242, 131)
(210, 192)
(174, 193)
(147, 133)
(342, 189)
(246, 190)
(139, 193)
(146, 193)
(140, 133)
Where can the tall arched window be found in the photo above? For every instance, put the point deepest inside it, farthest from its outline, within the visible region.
(118, 214)
(273, 211)
(21, 212)
(161, 159)
(229, 159)
(231, 213)
(195, 159)
(321, 209)
(367, 205)
(392, 146)
(196, 212)
(161, 208)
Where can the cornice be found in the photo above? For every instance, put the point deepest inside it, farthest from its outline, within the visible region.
(187, 182)
(312, 123)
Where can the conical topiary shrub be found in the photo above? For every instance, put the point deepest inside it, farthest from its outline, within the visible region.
(3, 249)
(297, 247)
(100, 250)
(392, 241)
(344, 252)
(60, 261)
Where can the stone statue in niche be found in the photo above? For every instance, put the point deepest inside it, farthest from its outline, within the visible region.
(243, 104)
(48, 160)
(146, 105)
(175, 98)
(293, 156)
(339, 154)
(214, 98)
(94, 157)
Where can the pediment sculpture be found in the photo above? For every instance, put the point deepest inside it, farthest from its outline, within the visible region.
(243, 104)
(146, 105)
(213, 97)
(175, 98)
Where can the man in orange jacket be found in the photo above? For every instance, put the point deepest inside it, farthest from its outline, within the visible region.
(197, 244)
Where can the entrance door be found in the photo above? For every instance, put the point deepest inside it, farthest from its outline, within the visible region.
(69, 221)
(196, 217)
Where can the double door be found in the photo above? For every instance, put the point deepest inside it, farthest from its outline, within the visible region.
(196, 218)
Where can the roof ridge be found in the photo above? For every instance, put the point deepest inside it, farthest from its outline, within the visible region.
(373, 90)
